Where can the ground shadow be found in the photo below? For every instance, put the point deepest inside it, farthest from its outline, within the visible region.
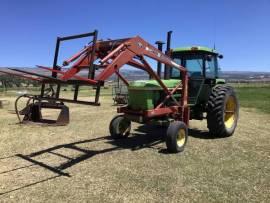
(144, 136)
(202, 134)
(197, 133)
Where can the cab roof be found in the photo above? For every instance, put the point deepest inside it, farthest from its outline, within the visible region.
(195, 48)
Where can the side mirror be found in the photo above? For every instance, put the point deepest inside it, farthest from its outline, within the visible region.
(220, 56)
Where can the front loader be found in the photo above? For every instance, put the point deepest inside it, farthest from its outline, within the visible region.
(171, 99)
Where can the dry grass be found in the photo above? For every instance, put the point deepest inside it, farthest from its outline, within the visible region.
(137, 169)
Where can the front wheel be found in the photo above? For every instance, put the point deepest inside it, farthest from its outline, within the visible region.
(177, 135)
(120, 127)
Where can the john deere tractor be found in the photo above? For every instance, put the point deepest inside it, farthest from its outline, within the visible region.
(188, 88)
(209, 97)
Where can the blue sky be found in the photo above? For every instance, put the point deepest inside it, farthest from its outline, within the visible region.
(240, 29)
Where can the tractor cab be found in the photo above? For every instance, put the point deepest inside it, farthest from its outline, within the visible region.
(200, 61)
(203, 71)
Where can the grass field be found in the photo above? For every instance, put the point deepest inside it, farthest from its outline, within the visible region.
(80, 163)
(255, 96)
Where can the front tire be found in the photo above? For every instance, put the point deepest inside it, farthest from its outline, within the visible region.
(120, 127)
(177, 135)
(222, 111)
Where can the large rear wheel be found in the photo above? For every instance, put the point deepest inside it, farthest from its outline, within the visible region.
(222, 111)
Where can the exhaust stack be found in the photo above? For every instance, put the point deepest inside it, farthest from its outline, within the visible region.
(160, 47)
(167, 68)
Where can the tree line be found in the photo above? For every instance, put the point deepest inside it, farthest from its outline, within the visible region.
(9, 82)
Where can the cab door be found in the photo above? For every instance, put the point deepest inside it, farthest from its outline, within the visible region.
(194, 63)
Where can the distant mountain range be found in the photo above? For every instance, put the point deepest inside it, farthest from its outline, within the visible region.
(231, 76)
(245, 76)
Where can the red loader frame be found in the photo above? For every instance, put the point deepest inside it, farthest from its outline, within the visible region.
(110, 56)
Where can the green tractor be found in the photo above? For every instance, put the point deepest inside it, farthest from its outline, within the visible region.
(189, 89)
(209, 97)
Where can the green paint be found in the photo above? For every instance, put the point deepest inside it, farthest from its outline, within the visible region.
(145, 94)
(220, 81)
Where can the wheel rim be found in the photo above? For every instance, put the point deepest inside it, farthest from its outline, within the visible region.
(123, 127)
(181, 137)
(230, 112)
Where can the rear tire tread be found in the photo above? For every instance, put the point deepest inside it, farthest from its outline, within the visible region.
(215, 111)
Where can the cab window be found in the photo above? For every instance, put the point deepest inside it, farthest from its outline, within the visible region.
(210, 71)
(194, 65)
(176, 72)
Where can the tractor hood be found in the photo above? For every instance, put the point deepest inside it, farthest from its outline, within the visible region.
(152, 84)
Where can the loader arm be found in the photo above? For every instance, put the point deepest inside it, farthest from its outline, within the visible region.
(123, 54)
(110, 56)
